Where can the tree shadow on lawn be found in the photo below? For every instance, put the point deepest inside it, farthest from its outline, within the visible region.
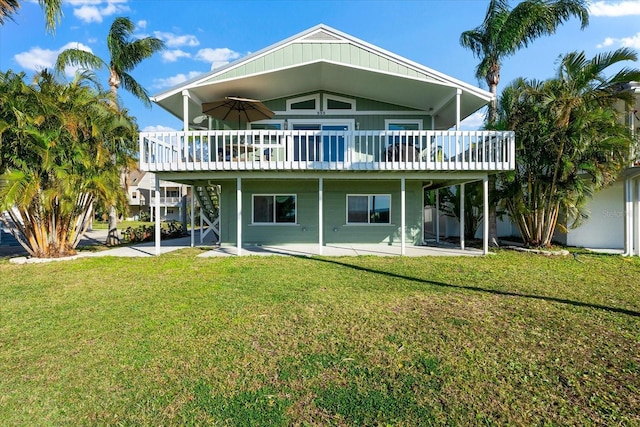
(479, 289)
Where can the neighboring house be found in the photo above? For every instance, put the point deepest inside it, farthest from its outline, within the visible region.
(614, 221)
(140, 186)
(358, 136)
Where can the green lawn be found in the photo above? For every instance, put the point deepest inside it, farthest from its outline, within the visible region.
(176, 340)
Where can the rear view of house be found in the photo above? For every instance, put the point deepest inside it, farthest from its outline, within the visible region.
(350, 138)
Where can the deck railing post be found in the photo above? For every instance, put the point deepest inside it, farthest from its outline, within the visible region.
(347, 150)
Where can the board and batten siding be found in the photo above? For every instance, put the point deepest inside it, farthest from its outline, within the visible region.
(336, 229)
(373, 121)
(301, 52)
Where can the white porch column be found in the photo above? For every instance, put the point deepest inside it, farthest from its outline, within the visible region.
(239, 217)
(462, 216)
(636, 219)
(403, 220)
(185, 127)
(157, 216)
(193, 216)
(438, 216)
(458, 94)
(320, 215)
(628, 217)
(485, 215)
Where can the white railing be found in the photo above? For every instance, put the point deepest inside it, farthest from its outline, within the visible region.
(167, 201)
(327, 150)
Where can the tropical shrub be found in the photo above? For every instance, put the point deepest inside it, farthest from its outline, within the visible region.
(62, 146)
(571, 142)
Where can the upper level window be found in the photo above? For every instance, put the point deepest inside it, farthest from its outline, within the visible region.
(267, 125)
(309, 103)
(408, 124)
(403, 146)
(339, 104)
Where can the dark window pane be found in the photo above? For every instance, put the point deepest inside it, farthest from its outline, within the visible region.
(334, 104)
(262, 208)
(309, 104)
(357, 209)
(286, 209)
(379, 209)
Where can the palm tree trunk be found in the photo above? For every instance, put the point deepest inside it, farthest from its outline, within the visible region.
(493, 77)
(112, 237)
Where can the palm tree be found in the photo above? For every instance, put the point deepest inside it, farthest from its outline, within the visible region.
(59, 142)
(125, 54)
(571, 141)
(52, 11)
(505, 31)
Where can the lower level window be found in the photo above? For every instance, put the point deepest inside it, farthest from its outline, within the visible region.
(274, 209)
(369, 209)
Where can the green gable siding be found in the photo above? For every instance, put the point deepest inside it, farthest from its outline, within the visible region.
(301, 52)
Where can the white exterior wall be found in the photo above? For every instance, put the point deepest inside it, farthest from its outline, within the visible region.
(605, 227)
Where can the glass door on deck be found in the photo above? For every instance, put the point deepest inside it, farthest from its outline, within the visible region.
(306, 147)
(330, 148)
(333, 145)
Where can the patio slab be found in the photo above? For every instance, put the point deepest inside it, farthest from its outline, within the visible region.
(340, 250)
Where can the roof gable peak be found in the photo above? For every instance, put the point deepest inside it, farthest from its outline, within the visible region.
(322, 35)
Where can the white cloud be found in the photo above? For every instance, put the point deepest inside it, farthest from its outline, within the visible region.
(95, 10)
(614, 9)
(36, 58)
(141, 25)
(174, 55)
(174, 40)
(632, 42)
(217, 57)
(158, 128)
(473, 122)
(175, 80)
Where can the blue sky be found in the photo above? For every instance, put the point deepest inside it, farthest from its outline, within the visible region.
(201, 33)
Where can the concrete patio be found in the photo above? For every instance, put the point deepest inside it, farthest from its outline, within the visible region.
(148, 249)
(340, 250)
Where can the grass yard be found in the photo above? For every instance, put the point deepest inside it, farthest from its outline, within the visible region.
(507, 339)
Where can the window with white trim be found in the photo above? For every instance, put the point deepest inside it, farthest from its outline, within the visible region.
(403, 146)
(304, 103)
(339, 104)
(403, 124)
(368, 209)
(274, 209)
